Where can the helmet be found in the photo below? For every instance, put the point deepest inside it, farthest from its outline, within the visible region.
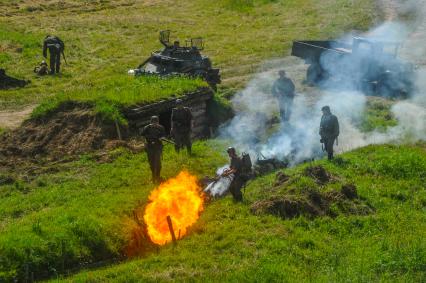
(325, 108)
(179, 101)
(230, 149)
(154, 119)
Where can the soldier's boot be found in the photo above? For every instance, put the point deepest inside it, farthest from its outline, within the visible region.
(177, 148)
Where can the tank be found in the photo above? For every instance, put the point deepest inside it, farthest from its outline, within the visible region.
(177, 59)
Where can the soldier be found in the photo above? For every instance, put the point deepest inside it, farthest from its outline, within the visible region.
(283, 89)
(235, 168)
(56, 47)
(181, 122)
(42, 69)
(154, 147)
(329, 130)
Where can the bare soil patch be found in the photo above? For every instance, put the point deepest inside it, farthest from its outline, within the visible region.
(70, 130)
(11, 119)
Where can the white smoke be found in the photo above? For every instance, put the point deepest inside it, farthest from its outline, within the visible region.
(298, 140)
(221, 185)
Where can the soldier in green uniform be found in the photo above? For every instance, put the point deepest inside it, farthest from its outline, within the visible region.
(283, 89)
(329, 130)
(236, 168)
(56, 47)
(154, 147)
(181, 122)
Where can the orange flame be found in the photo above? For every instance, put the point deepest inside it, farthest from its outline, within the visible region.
(181, 199)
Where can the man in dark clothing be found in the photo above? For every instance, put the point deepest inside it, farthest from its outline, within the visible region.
(181, 122)
(154, 147)
(329, 130)
(56, 47)
(235, 168)
(283, 89)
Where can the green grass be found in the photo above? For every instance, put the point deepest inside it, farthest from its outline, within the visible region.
(229, 243)
(106, 38)
(377, 115)
(122, 91)
(81, 213)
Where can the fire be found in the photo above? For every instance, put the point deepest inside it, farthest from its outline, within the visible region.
(181, 199)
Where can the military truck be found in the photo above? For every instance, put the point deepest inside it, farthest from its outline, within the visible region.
(177, 59)
(368, 65)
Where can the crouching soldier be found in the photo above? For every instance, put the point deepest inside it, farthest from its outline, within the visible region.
(154, 147)
(42, 69)
(329, 130)
(181, 126)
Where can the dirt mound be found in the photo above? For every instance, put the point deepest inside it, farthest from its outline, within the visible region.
(70, 130)
(313, 203)
(281, 178)
(319, 174)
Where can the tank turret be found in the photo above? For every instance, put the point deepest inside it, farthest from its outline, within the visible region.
(175, 58)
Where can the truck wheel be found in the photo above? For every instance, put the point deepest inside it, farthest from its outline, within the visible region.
(314, 74)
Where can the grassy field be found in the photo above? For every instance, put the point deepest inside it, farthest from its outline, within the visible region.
(58, 219)
(110, 98)
(79, 213)
(106, 38)
(229, 243)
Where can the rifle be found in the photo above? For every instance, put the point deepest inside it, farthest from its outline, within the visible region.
(168, 141)
(63, 55)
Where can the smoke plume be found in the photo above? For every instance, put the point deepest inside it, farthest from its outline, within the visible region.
(253, 128)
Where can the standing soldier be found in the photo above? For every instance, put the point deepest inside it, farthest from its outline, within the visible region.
(283, 89)
(235, 168)
(181, 126)
(154, 147)
(329, 130)
(56, 47)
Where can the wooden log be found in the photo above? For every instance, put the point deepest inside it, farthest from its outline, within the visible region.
(172, 232)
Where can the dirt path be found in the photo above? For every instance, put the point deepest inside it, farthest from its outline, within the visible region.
(11, 119)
